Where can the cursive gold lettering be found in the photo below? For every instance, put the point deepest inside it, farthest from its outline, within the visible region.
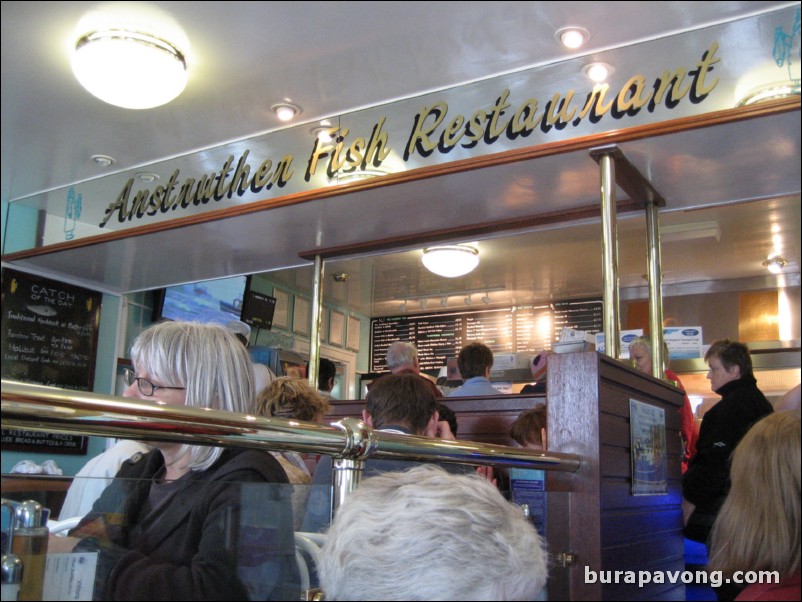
(560, 116)
(239, 182)
(378, 146)
(631, 97)
(120, 205)
(524, 120)
(493, 129)
(699, 90)
(261, 177)
(419, 138)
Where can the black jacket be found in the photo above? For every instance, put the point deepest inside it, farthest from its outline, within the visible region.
(707, 481)
(213, 540)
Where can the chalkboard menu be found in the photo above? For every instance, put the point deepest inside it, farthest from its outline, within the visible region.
(527, 329)
(49, 337)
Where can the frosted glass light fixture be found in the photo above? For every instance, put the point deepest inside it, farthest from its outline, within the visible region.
(451, 261)
(775, 264)
(129, 69)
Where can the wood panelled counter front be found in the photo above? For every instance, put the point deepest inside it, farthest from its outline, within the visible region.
(482, 419)
(592, 513)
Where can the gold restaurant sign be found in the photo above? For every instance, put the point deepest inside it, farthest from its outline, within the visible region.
(432, 130)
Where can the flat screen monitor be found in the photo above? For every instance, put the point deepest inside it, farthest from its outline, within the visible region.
(218, 301)
(258, 310)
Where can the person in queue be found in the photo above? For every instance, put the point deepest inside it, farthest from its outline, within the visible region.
(402, 358)
(790, 401)
(401, 404)
(292, 397)
(706, 482)
(759, 526)
(262, 375)
(475, 361)
(640, 351)
(326, 377)
(443, 537)
(529, 429)
(539, 368)
(169, 525)
(447, 415)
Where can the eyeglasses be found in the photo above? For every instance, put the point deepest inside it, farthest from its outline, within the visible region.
(145, 386)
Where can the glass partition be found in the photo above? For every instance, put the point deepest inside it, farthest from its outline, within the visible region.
(213, 540)
(185, 539)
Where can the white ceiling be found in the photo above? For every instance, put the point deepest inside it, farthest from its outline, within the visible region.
(334, 57)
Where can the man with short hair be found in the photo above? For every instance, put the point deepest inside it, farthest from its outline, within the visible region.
(402, 358)
(400, 404)
(475, 361)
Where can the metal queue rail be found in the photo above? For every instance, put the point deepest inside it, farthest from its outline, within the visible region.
(349, 441)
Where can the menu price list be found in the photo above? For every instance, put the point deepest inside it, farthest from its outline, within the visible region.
(527, 329)
(50, 338)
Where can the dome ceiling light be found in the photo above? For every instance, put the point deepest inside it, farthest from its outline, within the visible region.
(129, 69)
(775, 264)
(451, 261)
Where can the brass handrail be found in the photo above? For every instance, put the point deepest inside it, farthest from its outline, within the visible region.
(36, 407)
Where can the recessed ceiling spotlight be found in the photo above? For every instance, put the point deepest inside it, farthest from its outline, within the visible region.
(775, 264)
(104, 160)
(285, 111)
(598, 72)
(323, 132)
(572, 37)
(147, 177)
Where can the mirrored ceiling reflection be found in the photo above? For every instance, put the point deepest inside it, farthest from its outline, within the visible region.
(724, 243)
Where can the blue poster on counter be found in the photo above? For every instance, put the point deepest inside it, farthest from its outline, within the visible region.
(647, 425)
(528, 486)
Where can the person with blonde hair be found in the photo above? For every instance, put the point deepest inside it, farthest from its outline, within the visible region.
(758, 527)
(640, 351)
(169, 524)
(292, 397)
(426, 534)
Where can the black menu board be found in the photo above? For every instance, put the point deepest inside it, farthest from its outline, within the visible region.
(527, 329)
(49, 337)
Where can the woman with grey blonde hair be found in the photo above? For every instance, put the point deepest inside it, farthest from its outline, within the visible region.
(168, 525)
(211, 367)
(758, 528)
(426, 534)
